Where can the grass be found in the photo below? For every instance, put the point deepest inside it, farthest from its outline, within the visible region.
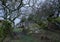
(27, 39)
(58, 19)
(17, 30)
(23, 38)
(20, 38)
(53, 37)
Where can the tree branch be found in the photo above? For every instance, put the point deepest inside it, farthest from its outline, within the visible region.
(21, 4)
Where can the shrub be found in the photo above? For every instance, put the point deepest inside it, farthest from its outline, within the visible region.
(5, 29)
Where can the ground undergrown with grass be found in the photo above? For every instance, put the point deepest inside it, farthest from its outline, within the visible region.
(43, 36)
(20, 38)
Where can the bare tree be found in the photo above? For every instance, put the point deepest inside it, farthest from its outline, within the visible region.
(11, 9)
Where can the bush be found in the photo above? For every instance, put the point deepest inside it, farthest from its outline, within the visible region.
(5, 29)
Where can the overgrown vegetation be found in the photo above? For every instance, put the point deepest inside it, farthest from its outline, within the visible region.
(5, 30)
(23, 19)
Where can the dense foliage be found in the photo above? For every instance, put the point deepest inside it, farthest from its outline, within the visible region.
(5, 29)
